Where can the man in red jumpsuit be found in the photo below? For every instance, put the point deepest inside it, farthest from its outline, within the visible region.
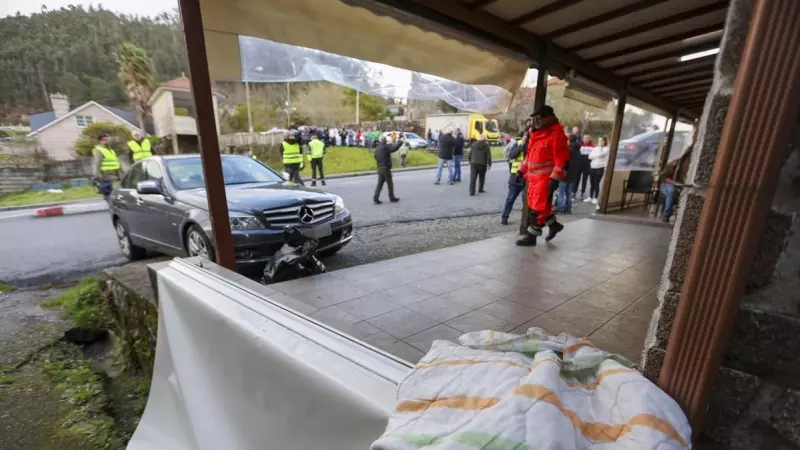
(545, 165)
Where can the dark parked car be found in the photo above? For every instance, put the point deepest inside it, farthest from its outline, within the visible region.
(640, 152)
(161, 205)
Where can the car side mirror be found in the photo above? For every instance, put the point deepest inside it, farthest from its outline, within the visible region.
(148, 187)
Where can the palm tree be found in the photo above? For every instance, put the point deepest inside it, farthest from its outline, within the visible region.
(137, 74)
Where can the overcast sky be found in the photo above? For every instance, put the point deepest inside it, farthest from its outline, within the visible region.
(137, 7)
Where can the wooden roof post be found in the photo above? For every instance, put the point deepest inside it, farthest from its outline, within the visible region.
(538, 101)
(207, 131)
(605, 192)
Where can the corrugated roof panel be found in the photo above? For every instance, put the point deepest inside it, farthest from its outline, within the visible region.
(710, 39)
(656, 34)
(573, 14)
(511, 9)
(629, 21)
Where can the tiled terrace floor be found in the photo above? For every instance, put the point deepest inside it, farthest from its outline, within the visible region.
(597, 279)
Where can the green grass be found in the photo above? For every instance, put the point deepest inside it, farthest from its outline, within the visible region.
(84, 304)
(497, 153)
(32, 198)
(6, 288)
(348, 159)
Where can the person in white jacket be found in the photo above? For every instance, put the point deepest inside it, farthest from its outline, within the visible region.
(598, 160)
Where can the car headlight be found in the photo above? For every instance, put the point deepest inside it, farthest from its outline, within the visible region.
(245, 222)
(338, 205)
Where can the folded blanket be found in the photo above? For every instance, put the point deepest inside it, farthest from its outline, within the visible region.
(500, 391)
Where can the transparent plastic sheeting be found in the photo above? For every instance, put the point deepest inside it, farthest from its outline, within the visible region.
(272, 62)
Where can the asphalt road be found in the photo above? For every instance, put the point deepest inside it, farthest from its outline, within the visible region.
(44, 250)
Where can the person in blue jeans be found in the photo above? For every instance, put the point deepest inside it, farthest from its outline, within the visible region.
(458, 154)
(565, 187)
(447, 144)
(516, 183)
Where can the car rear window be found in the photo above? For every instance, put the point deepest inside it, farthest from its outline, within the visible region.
(187, 173)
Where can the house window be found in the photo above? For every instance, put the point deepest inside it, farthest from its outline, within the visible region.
(84, 121)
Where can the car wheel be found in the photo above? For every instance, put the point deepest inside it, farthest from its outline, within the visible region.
(132, 252)
(198, 244)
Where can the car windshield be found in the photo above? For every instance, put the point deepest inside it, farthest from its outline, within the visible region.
(491, 126)
(412, 136)
(187, 173)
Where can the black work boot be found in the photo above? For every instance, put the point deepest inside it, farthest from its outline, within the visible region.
(323, 182)
(553, 228)
(313, 183)
(529, 240)
(504, 221)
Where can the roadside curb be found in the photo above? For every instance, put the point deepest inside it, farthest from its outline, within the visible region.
(48, 205)
(70, 209)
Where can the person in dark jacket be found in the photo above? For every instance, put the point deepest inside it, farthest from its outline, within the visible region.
(565, 188)
(383, 155)
(480, 160)
(447, 146)
(458, 154)
(516, 183)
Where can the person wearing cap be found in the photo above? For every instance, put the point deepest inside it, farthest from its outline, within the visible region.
(546, 160)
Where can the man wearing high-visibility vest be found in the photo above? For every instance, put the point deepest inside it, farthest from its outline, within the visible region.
(106, 166)
(140, 148)
(292, 155)
(516, 183)
(317, 153)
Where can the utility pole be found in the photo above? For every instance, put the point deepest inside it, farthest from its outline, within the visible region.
(249, 114)
(358, 93)
(288, 105)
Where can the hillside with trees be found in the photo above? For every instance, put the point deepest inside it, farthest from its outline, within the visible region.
(73, 50)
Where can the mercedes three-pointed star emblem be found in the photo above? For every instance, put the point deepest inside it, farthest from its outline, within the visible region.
(305, 214)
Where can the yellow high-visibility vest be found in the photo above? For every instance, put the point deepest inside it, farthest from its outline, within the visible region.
(518, 160)
(292, 153)
(317, 148)
(142, 150)
(110, 161)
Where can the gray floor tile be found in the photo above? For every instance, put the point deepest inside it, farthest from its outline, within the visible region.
(439, 309)
(614, 343)
(322, 298)
(436, 285)
(541, 298)
(293, 303)
(379, 283)
(496, 288)
(368, 306)
(511, 312)
(406, 295)
(401, 350)
(479, 321)
(402, 323)
(335, 317)
(604, 300)
(301, 285)
(589, 317)
(424, 340)
(470, 297)
(554, 326)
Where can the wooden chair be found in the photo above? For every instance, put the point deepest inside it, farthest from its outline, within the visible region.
(639, 182)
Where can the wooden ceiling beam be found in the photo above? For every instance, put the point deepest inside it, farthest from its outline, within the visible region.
(679, 68)
(479, 4)
(674, 54)
(666, 21)
(543, 11)
(717, 27)
(682, 87)
(704, 69)
(605, 17)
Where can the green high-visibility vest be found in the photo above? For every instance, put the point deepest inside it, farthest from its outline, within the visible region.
(292, 153)
(317, 148)
(518, 160)
(142, 150)
(110, 161)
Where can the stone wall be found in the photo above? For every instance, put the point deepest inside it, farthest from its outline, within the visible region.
(17, 179)
(13, 179)
(756, 399)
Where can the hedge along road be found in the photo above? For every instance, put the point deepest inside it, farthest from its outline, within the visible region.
(44, 250)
